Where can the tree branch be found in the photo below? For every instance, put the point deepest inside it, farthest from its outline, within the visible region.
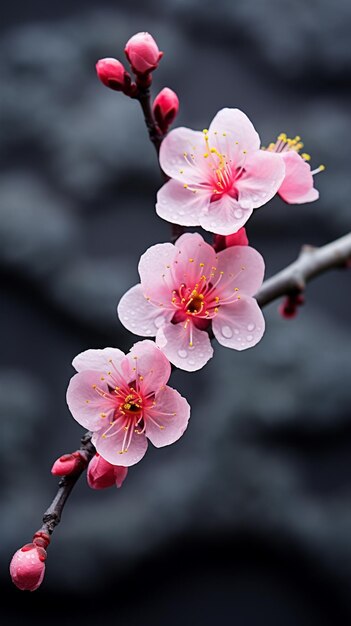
(52, 515)
(310, 263)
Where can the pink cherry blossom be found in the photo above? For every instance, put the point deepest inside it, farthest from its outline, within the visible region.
(298, 184)
(185, 288)
(101, 474)
(124, 400)
(218, 177)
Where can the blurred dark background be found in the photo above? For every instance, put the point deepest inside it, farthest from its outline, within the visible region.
(247, 519)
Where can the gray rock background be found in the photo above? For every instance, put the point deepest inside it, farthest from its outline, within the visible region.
(247, 519)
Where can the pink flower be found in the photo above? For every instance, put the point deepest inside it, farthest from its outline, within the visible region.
(113, 74)
(142, 53)
(219, 176)
(297, 186)
(184, 288)
(27, 567)
(165, 108)
(102, 474)
(124, 400)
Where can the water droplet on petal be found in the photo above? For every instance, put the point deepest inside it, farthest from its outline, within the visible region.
(181, 211)
(255, 198)
(126, 318)
(249, 337)
(227, 332)
(159, 321)
(183, 354)
(236, 331)
(148, 331)
(238, 213)
(191, 362)
(250, 327)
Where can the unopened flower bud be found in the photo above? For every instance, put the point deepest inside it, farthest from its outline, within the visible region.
(289, 307)
(221, 242)
(165, 108)
(113, 74)
(142, 53)
(68, 464)
(27, 567)
(102, 474)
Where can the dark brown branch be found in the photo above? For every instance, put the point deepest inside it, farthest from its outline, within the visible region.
(52, 515)
(310, 263)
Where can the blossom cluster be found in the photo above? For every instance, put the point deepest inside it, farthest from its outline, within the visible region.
(190, 292)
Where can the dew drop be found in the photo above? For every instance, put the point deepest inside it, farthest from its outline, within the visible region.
(183, 354)
(249, 337)
(255, 198)
(227, 332)
(236, 331)
(191, 362)
(148, 331)
(238, 213)
(159, 321)
(250, 327)
(126, 318)
(181, 211)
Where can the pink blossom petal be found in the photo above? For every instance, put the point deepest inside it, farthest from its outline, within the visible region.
(173, 339)
(263, 174)
(225, 216)
(110, 448)
(172, 160)
(195, 258)
(181, 206)
(97, 359)
(239, 325)
(243, 269)
(168, 419)
(87, 406)
(297, 186)
(151, 364)
(236, 127)
(139, 316)
(152, 268)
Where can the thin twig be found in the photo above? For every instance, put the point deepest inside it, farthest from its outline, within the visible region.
(310, 263)
(52, 515)
(156, 138)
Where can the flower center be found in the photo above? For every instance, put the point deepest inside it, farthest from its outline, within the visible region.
(196, 303)
(132, 404)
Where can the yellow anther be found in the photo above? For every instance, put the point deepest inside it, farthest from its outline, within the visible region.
(206, 155)
(94, 386)
(185, 154)
(87, 401)
(236, 289)
(282, 137)
(102, 415)
(305, 156)
(205, 131)
(181, 171)
(321, 168)
(244, 151)
(216, 309)
(217, 299)
(102, 378)
(185, 186)
(191, 260)
(202, 264)
(190, 344)
(224, 134)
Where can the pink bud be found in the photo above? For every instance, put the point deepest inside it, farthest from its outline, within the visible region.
(289, 307)
(27, 567)
(142, 53)
(68, 464)
(113, 74)
(221, 242)
(165, 108)
(102, 474)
